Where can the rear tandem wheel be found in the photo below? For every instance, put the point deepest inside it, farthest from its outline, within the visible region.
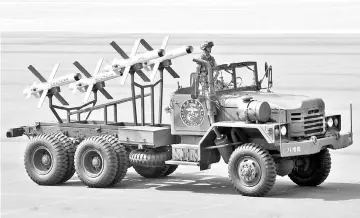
(96, 162)
(45, 160)
(69, 148)
(122, 156)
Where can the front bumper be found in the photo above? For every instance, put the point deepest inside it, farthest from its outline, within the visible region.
(314, 145)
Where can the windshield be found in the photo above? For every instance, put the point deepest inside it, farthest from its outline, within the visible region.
(236, 76)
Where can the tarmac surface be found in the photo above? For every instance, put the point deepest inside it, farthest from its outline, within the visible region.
(325, 67)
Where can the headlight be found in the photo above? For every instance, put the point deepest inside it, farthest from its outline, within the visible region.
(283, 130)
(330, 122)
(336, 122)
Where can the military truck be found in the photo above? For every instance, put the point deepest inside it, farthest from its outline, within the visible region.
(258, 133)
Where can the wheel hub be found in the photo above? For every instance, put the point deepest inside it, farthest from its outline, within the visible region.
(45, 159)
(92, 162)
(42, 160)
(95, 162)
(249, 171)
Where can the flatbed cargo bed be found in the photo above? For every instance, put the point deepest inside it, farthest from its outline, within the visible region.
(147, 135)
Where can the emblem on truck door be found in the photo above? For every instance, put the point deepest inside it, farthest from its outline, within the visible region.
(192, 112)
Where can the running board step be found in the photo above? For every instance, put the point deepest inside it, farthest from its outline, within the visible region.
(175, 162)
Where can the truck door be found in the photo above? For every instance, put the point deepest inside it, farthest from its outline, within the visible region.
(189, 116)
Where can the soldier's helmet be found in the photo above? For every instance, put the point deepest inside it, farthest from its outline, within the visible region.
(206, 44)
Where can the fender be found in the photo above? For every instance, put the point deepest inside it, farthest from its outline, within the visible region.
(266, 130)
(269, 141)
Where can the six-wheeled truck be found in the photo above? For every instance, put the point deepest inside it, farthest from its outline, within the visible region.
(258, 133)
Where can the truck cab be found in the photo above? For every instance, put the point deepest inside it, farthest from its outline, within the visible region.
(188, 104)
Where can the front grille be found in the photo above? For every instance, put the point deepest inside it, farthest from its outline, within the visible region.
(306, 123)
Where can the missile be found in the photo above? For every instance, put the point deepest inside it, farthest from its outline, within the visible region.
(140, 58)
(83, 84)
(117, 65)
(36, 88)
(40, 90)
(184, 50)
(88, 83)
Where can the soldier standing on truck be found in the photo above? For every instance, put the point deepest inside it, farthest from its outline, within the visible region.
(206, 56)
(206, 46)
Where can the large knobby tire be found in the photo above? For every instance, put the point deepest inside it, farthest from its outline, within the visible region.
(123, 158)
(69, 148)
(252, 170)
(151, 172)
(150, 157)
(314, 170)
(45, 160)
(96, 162)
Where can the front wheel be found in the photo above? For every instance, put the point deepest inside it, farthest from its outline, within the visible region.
(252, 170)
(312, 170)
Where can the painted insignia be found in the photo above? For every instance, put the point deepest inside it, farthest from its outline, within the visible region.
(192, 112)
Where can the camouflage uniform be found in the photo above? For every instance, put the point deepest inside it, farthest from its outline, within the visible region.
(208, 58)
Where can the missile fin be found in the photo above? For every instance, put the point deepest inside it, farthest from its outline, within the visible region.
(88, 92)
(97, 69)
(148, 67)
(135, 48)
(89, 89)
(146, 45)
(28, 95)
(164, 44)
(154, 71)
(61, 99)
(42, 98)
(172, 72)
(119, 50)
(125, 75)
(143, 76)
(105, 93)
(82, 69)
(53, 72)
(37, 74)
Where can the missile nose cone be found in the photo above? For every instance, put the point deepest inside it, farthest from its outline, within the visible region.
(77, 77)
(189, 49)
(161, 52)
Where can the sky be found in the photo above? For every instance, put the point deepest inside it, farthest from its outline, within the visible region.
(186, 16)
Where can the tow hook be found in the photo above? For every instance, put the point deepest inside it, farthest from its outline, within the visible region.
(337, 136)
(314, 139)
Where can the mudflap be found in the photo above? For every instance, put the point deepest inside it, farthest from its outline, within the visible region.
(224, 151)
(208, 156)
